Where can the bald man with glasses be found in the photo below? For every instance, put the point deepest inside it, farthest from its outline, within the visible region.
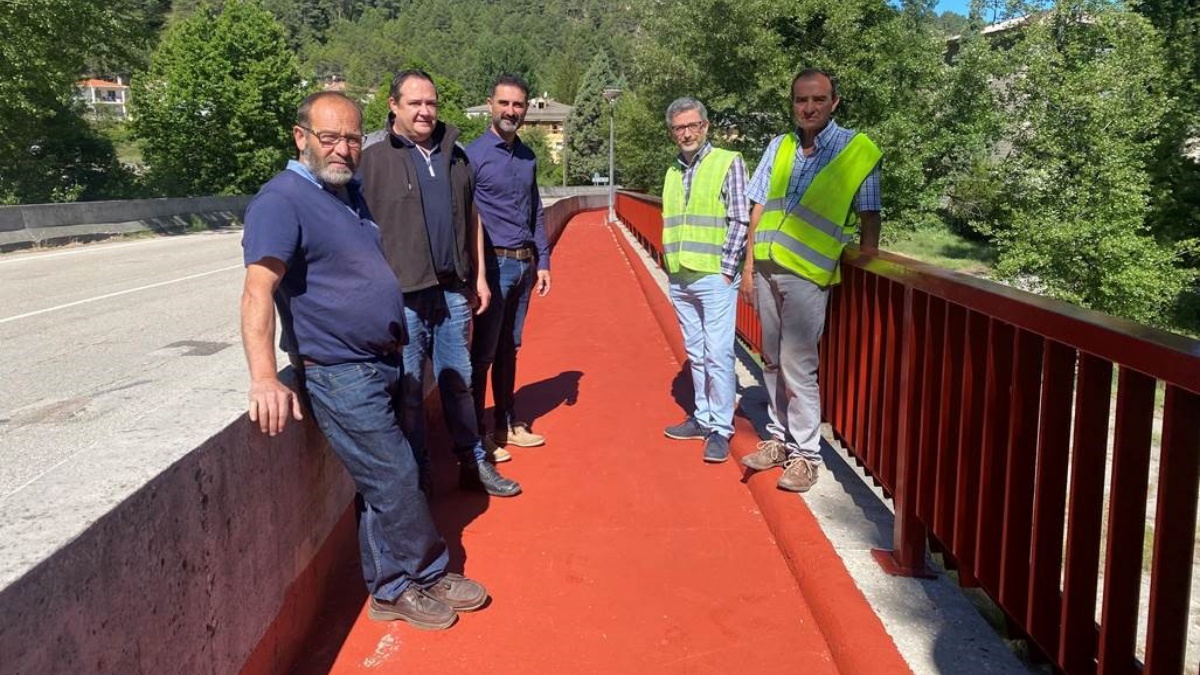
(310, 243)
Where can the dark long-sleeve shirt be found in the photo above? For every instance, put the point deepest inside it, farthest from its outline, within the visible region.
(506, 195)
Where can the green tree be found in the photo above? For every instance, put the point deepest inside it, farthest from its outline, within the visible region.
(1175, 192)
(364, 51)
(1085, 114)
(739, 59)
(47, 152)
(587, 127)
(215, 108)
(644, 146)
(549, 172)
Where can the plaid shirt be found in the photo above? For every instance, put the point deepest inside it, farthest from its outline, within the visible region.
(737, 208)
(829, 142)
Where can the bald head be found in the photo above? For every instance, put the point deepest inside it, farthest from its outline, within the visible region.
(328, 136)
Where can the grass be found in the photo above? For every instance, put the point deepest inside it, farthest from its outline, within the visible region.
(128, 149)
(944, 249)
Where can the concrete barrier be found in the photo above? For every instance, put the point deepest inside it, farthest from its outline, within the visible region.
(559, 192)
(189, 572)
(557, 215)
(41, 224)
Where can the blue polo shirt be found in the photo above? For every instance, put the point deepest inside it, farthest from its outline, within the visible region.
(339, 300)
(506, 194)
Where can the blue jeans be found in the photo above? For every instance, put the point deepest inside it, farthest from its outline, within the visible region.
(355, 405)
(706, 305)
(439, 327)
(498, 336)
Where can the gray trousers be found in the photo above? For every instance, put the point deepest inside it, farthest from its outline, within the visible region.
(792, 310)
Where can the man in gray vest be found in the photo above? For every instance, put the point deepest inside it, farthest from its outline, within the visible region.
(705, 216)
(419, 187)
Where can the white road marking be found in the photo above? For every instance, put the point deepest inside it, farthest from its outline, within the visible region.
(118, 293)
(58, 254)
(91, 248)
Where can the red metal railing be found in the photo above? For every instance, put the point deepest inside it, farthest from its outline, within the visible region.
(985, 413)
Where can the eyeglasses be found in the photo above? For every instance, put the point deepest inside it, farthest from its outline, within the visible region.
(329, 139)
(694, 127)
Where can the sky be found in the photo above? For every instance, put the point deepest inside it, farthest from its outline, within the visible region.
(956, 6)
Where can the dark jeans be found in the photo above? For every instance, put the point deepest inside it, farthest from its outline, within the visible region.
(356, 406)
(439, 327)
(498, 336)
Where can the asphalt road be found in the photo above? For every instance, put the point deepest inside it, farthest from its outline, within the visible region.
(116, 359)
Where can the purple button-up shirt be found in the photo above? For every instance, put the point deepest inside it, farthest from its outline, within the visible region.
(506, 194)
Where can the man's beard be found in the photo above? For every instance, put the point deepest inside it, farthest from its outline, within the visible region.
(333, 176)
(506, 125)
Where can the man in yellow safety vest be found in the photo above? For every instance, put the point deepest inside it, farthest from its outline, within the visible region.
(806, 191)
(705, 218)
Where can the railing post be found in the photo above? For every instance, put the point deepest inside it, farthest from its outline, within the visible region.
(907, 557)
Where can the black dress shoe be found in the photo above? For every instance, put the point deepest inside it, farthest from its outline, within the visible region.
(484, 477)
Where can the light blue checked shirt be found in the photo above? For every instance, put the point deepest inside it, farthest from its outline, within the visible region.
(829, 143)
(737, 208)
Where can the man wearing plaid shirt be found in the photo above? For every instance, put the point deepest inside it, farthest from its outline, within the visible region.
(705, 218)
(798, 236)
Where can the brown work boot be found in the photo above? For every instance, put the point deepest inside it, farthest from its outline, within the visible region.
(458, 592)
(495, 454)
(799, 475)
(415, 606)
(771, 453)
(519, 435)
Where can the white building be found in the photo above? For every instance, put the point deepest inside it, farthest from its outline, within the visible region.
(104, 98)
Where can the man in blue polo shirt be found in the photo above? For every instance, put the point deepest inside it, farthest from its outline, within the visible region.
(506, 194)
(312, 251)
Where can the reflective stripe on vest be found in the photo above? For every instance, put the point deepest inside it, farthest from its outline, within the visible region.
(808, 240)
(694, 233)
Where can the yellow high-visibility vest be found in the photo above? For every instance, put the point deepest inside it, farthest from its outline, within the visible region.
(809, 239)
(694, 233)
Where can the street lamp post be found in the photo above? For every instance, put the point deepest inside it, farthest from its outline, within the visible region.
(611, 94)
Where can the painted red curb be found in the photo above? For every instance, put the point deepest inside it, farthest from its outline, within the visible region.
(664, 313)
(299, 621)
(856, 637)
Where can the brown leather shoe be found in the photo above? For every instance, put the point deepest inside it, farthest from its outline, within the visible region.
(458, 592)
(519, 435)
(495, 454)
(417, 607)
(799, 475)
(771, 453)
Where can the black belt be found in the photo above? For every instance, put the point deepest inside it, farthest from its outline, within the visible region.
(523, 253)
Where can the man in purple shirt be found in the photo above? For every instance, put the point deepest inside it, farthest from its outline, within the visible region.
(517, 255)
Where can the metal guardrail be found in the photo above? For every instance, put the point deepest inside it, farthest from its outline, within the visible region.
(984, 411)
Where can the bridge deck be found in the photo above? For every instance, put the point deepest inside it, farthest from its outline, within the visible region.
(626, 553)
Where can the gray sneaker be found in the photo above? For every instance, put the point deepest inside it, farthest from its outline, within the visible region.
(799, 475)
(687, 430)
(771, 453)
(716, 448)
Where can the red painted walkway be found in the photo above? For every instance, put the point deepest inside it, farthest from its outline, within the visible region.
(626, 553)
